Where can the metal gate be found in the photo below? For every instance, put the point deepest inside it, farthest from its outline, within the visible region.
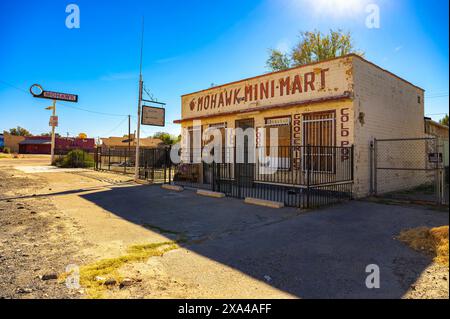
(409, 169)
(304, 176)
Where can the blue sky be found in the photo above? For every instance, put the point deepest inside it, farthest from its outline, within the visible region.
(188, 46)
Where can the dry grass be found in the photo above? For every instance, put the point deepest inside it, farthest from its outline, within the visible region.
(109, 268)
(432, 241)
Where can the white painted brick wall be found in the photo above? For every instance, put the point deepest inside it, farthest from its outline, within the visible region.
(391, 110)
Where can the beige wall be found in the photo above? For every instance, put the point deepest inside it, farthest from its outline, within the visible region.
(321, 80)
(12, 141)
(390, 108)
(436, 129)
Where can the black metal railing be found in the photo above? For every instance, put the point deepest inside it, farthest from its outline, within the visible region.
(299, 176)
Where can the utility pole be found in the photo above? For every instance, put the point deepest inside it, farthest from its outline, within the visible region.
(52, 151)
(129, 138)
(141, 85)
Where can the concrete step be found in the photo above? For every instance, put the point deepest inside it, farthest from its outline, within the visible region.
(262, 202)
(207, 193)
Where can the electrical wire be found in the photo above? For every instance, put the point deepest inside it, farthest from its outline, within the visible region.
(116, 127)
(66, 104)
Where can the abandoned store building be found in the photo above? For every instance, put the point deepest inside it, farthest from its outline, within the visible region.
(327, 113)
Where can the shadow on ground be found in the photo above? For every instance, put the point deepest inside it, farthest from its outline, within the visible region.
(318, 254)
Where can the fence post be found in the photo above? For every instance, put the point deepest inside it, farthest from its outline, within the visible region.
(375, 167)
(109, 159)
(352, 162)
(308, 173)
(168, 152)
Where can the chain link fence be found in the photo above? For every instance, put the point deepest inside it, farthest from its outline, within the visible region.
(410, 169)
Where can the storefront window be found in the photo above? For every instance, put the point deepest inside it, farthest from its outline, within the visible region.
(319, 133)
(221, 128)
(283, 145)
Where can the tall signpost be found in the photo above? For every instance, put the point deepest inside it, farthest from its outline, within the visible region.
(141, 87)
(147, 115)
(37, 91)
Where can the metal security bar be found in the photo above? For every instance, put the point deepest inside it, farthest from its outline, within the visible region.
(154, 164)
(299, 176)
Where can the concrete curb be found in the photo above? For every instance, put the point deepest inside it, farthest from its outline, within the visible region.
(262, 202)
(174, 188)
(206, 193)
(142, 182)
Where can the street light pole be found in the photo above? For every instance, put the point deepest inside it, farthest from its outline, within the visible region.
(52, 151)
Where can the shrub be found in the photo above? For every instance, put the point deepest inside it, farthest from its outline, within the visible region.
(76, 159)
(6, 150)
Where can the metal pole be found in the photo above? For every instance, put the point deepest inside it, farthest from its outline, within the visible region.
(138, 133)
(52, 150)
(129, 143)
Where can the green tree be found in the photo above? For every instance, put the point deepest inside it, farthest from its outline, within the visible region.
(278, 60)
(313, 47)
(50, 134)
(444, 121)
(166, 138)
(19, 131)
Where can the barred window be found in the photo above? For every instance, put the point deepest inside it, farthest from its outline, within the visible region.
(319, 132)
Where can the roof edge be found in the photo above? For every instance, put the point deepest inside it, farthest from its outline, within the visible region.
(352, 55)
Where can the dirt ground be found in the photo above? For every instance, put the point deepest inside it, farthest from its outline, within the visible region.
(50, 220)
(46, 226)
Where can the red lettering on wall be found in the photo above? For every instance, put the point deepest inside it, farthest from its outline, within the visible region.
(206, 102)
(221, 100)
(200, 104)
(228, 98)
(310, 77)
(213, 101)
(285, 86)
(345, 132)
(248, 93)
(322, 78)
(236, 96)
(297, 85)
(264, 90)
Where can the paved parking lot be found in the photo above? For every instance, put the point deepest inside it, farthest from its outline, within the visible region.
(315, 254)
(229, 249)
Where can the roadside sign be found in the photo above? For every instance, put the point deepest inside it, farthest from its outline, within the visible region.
(435, 157)
(53, 121)
(37, 91)
(155, 116)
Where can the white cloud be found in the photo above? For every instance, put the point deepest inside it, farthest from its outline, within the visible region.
(333, 8)
(398, 48)
(284, 46)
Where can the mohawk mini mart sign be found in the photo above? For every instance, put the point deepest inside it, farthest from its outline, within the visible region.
(315, 81)
(37, 91)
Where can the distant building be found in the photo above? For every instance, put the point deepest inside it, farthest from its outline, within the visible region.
(435, 128)
(42, 144)
(12, 141)
(121, 143)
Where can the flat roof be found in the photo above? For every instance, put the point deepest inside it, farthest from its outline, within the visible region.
(303, 66)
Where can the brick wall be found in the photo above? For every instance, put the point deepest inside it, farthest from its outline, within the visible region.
(385, 107)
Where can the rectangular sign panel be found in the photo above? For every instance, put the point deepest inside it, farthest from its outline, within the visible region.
(59, 96)
(155, 116)
(53, 121)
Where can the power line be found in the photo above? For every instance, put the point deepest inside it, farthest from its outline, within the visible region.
(436, 114)
(65, 104)
(116, 127)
